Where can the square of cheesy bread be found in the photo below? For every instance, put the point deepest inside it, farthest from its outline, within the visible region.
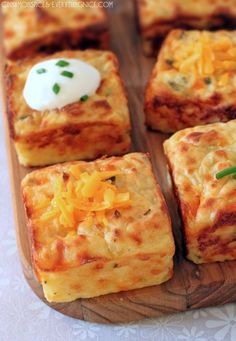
(49, 26)
(193, 81)
(157, 17)
(98, 227)
(80, 130)
(196, 157)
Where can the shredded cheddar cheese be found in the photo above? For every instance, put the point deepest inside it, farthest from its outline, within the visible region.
(205, 54)
(83, 197)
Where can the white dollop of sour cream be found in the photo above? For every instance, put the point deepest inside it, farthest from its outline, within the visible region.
(55, 83)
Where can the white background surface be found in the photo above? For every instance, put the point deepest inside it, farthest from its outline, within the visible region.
(23, 317)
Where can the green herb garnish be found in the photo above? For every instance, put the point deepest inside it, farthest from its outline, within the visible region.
(56, 88)
(62, 63)
(147, 212)
(169, 61)
(184, 79)
(225, 172)
(23, 117)
(207, 80)
(84, 98)
(67, 74)
(108, 92)
(175, 86)
(42, 70)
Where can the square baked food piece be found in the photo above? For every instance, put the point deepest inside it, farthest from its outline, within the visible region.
(157, 17)
(201, 161)
(49, 26)
(88, 127)
(193, 81)
(98, 227)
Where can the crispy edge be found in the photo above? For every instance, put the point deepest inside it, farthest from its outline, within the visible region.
(180, 206)
(93, 36)
(73, 144)
(154, 33)
(169, 113)
(8, 79)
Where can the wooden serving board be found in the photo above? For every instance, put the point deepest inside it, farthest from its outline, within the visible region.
(192, 286)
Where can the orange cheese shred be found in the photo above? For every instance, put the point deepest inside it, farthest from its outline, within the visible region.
(85, 197)
(206, 56)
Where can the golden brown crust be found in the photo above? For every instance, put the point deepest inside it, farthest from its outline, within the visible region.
(34, 30)
(207, 205)
(98, 126)
(134, 235)
(167, 113)
(157, 18)
(177, 99)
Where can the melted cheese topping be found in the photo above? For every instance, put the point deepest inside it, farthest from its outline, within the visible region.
(199, 60)
(81, 198)
(205, 56)
(56, 83)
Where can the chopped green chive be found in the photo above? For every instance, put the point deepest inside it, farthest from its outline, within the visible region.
(23, 117)
(147, 212)
(42, 70)
(67, 74)
(108, 92)
(56, 88)
(175, 86)
(62, 63)
(84, 98)
(169, 61)
(207, 80)
(225, 172)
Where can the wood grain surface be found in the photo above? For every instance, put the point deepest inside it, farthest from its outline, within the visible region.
(192, 286)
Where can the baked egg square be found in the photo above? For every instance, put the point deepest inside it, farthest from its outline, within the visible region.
(202, 161)
(67, 106)
(156, 18)
(193, 81)
(46, 26)
(98, 227)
